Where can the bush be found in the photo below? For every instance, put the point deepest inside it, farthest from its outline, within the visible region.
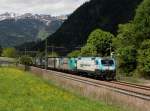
(9, 52)
(25, 60)
(76, 53)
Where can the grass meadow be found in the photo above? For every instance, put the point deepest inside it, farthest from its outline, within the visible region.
(22, 91)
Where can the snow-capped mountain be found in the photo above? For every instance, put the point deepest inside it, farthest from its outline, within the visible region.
(43, 18)
(7, 16)
(16, 29)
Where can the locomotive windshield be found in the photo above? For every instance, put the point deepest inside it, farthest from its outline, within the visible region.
(107, 62)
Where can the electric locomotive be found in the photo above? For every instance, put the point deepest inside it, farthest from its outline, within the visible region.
(104, 68)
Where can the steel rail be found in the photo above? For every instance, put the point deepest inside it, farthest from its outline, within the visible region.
(134, 92)
(131, 85)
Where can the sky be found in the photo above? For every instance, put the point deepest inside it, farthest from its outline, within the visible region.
(53, 7)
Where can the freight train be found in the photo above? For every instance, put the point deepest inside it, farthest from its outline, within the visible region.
(102, 68)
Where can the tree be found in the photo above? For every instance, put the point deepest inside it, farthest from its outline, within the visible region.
(98, 43)
(127, 59)
(75, 53)
(142, 27)
(142, 21)
(125, 48)
(26, 61)
(144, 58)
(9, 52)
(88, 50)
(125, 37)
(132, 41)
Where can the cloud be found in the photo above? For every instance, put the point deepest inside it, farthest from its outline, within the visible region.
(53, 7)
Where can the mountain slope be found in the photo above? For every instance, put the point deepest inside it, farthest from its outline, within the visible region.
(104, 14)
(16, 30)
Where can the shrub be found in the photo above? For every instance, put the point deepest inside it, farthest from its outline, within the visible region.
(9, 52)
(25, 60)
(75, 53)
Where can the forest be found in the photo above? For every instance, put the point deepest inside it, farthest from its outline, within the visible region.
(131, 45)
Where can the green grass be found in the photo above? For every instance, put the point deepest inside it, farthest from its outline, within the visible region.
(21, 91)
(132, 79)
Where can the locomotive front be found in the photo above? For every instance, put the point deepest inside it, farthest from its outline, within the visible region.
(106, 67)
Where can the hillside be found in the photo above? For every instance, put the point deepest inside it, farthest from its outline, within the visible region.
(104, 14)
(16, 30)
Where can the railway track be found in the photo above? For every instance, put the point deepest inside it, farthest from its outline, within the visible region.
(131, 85)
(139, 91)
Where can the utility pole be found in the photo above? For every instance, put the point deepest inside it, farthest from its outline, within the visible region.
(110, 49)
(53, 47)
(46, 53)
(52, 50)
